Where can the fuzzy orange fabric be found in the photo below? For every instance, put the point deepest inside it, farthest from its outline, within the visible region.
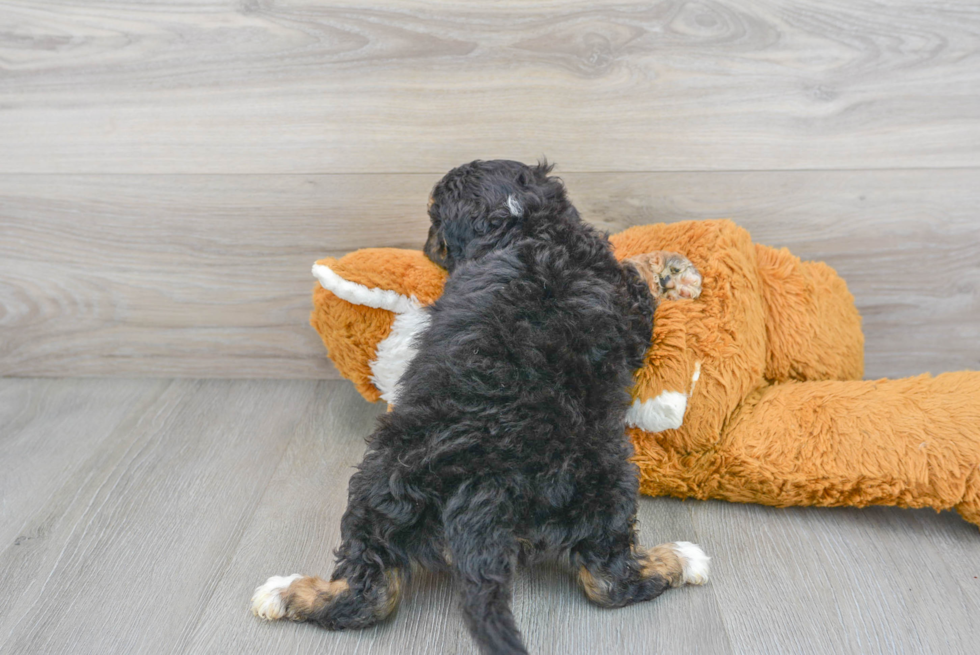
(751, 393)
(351, 332)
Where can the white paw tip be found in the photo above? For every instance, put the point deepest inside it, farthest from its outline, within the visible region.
(695, 562)
(267, 600)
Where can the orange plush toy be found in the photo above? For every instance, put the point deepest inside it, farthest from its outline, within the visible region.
(750, 393)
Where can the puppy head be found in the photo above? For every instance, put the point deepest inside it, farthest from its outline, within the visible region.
(481, 205)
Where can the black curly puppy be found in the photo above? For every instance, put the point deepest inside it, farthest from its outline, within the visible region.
(507, 437)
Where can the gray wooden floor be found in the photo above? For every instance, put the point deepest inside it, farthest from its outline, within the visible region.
(138, 515)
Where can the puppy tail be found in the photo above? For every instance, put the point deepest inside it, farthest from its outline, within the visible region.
(486, 608)
(483, 551)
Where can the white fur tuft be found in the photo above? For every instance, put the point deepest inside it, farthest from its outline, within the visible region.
(514, 205)
(267, 599)
(695, 562)
(696, 376)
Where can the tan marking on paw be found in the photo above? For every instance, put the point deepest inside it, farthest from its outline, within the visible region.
(307, 595)
(662, 561)
(671, 276)
(394, 593)
(596, 588)
(679, 563)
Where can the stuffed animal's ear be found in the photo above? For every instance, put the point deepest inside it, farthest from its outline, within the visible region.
(384, 278)
(365, 308)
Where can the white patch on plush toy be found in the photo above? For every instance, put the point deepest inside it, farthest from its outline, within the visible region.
(359, 294)
(665, 412)
(396, 351)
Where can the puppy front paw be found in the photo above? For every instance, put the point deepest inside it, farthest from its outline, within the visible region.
(267, 601)
(671, 276)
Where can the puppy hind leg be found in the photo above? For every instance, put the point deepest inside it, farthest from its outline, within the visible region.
(360, 593)
(615, 570)
(295, 597)
(640, 574)
(367, 582)
(618, 580)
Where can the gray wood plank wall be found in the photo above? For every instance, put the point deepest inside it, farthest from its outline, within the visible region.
(170, 171)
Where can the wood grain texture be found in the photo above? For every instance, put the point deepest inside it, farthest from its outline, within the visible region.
(843, 580)
(157, 538)
(128, 548)
(208, 276)
(42, 442)
(200, 276)
(303, 86)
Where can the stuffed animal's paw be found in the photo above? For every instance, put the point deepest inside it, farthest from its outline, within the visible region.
(671, 276)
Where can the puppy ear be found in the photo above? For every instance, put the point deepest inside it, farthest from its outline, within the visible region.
(510, 212)
(542, 170)
(537, 190)
(531, 191)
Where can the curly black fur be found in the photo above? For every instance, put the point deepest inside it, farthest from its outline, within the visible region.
(508, 434)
